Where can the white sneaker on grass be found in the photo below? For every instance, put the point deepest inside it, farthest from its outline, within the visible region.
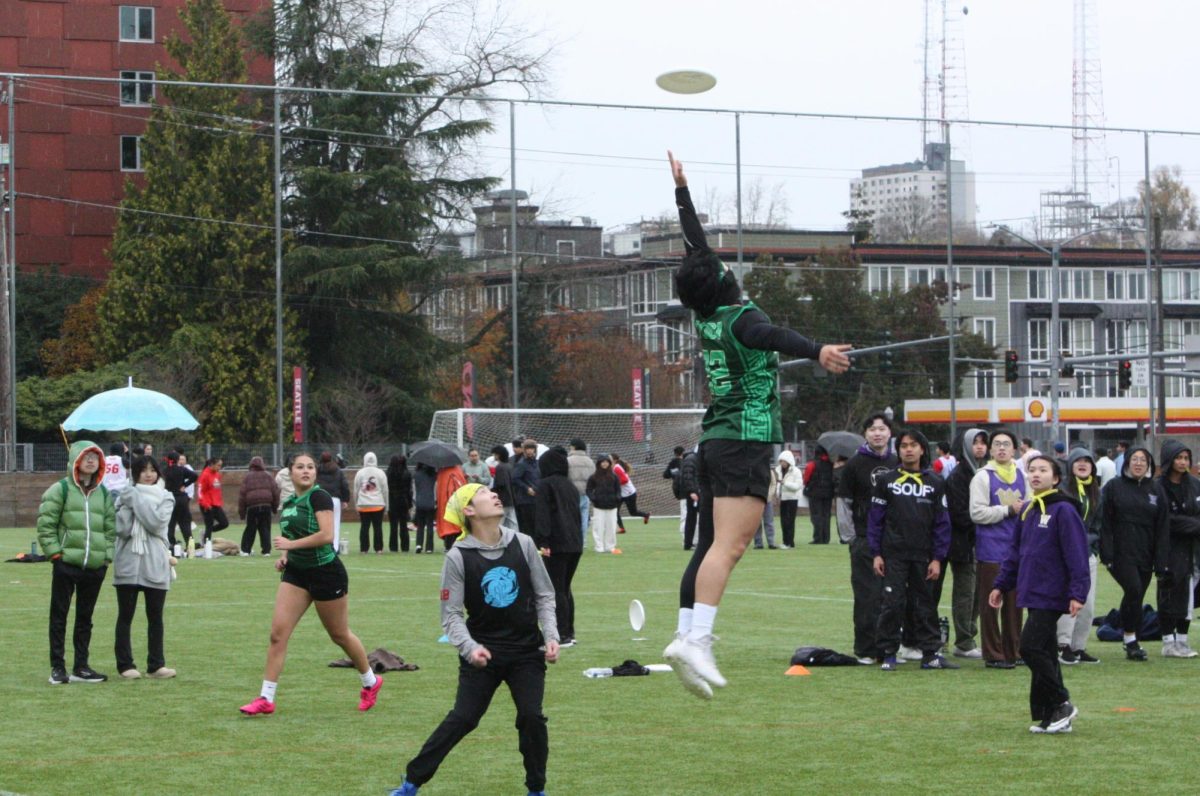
(1170, 649)
(909, 654)
(694, 683)
(1184, 650)
(974, 653)
(696, 652)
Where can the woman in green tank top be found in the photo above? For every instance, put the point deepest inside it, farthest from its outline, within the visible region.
(311, 573)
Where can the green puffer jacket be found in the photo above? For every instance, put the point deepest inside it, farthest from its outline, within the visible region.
(82, 527)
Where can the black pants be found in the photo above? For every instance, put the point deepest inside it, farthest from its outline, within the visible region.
(1175, 591)
(631, 504)
(704, 540)
(398, 520)
(690, 517)
(215, 521)
(818, 512)
(368, 521)
(1133, 582)
(181, 517)
(561, 568)
(258, 522)
(127, 598)
(526, 678)
(425, 520)
(904, 585)
(84, 584)
(1039, 650)
(526, 518)
(868, 591)
(787, 521)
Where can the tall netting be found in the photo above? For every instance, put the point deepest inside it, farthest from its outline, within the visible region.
(644, 438)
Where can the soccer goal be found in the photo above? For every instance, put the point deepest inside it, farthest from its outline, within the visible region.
(645, 438)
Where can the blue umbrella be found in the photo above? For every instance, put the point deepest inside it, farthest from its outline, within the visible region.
(130, 408)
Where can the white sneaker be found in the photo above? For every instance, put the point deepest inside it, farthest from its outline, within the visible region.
(1170, 649)
(694, 683)
(974, 653)
(131, 674)
(1184, 650)
(161, 674)
(697, 653)
(867, 660)
(909, 654)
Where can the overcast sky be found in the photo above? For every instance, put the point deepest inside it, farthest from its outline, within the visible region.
(844, 57)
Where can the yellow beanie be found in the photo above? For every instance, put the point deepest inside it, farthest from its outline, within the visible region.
(455, 513)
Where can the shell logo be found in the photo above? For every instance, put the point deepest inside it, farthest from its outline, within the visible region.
(1036, 408)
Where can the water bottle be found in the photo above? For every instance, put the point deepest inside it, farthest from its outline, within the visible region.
(33, 548)
(178, 550)
(343, 546)
(944, 624)
(208, 548)
(598, 672)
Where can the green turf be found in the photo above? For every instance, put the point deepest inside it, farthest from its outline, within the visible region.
(850, 730)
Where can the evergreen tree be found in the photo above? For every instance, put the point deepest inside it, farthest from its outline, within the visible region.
(193, 252)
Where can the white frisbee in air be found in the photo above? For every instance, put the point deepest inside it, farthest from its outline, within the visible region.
(685, 81)
(637, 615)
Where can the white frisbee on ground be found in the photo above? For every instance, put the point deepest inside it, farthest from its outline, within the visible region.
(637, 615)
(685, 81)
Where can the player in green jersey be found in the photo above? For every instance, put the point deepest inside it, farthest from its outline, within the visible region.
(312, 573)
(740, 431)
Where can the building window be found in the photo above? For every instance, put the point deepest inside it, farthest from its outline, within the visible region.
(565, 249)
(1181, 286)
(131, 153)
(137, 88)
(1039, 283)
(641, 288)
(1075, 284)
(137, 23)
(985, 328)
(984, 283)
(1039, 351)
(1125, 338)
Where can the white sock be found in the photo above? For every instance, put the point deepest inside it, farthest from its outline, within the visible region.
(268, 691)
(685, 621)
(368, 678)
(1130, 638)
(1168, 638)
(703, 617)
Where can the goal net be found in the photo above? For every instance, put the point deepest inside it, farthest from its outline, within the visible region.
(645, 438)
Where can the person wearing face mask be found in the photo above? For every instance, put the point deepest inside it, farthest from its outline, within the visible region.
(1082, 484)
(999, 492)
(1134, 538)
(1046, 571)
(973, 454)
(1175, 592)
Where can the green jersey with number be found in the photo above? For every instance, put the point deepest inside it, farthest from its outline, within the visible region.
(741, 381)
(298, 520)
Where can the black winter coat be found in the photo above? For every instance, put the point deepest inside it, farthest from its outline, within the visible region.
(857, 483)
(604, 491)
(333, 481)
(1135, 525)
(502, 484)
(559, 523)
(689, 476)
(1183, 501)
(400, 487)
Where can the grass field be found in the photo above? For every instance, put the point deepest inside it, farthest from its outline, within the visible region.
(847, 730)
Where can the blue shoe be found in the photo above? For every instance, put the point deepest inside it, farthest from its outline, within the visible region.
(406, 789)
(889, 664)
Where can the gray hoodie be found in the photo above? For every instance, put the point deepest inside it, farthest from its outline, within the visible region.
(140, 557)
(454, 621)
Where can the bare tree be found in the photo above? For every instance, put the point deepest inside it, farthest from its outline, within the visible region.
(912, 219)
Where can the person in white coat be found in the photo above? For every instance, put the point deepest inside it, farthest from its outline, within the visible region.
(370, 500)
(791, 485)
(142, 564)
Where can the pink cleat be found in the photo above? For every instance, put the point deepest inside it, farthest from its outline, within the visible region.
(259, 707)
(367, 697)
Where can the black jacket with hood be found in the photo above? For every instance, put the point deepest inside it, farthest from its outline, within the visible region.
(1090, 510)
(558, 521)
(1183, 501)
(1135, 522)
(958, 497)
(857, 482)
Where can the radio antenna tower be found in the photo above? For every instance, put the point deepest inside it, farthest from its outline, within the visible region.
(944, 73)
(1069, 213)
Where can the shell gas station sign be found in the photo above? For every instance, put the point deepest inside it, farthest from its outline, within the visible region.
(1123, 412)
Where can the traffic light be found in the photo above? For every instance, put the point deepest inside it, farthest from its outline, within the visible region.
(1124, 375)
(1011, 362)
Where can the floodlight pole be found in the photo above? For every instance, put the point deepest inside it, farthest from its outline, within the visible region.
(1152, 429)
(278, 148)
(512, 246)
(950, 327)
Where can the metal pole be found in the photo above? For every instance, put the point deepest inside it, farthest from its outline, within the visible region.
(12, 271)
(277, 145)
(950, 275)
(1055, 340)
(1150, 435)
(737, 142)
(512, 245)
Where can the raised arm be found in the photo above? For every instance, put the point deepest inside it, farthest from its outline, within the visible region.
(693, 232)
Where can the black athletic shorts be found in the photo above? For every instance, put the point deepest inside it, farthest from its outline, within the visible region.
(734, 468)
(326, 582)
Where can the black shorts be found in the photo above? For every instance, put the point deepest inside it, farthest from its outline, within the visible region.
(734, 468)
(326, 582)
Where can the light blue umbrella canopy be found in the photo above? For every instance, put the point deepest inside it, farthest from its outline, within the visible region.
(130, 408)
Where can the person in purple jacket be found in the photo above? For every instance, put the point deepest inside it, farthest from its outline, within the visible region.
(908, 532)
(1048, 565)
(997, 496)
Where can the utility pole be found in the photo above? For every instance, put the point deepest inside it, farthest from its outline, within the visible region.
(8, 294)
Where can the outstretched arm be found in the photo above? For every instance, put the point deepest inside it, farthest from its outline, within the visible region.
(754, 330)
(689, 222)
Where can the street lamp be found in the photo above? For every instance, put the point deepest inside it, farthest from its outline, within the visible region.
(1055, 252)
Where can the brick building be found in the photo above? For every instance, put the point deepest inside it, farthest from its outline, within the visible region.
(76, 142)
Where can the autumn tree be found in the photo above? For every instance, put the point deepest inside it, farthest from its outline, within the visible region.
(1172, 203)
